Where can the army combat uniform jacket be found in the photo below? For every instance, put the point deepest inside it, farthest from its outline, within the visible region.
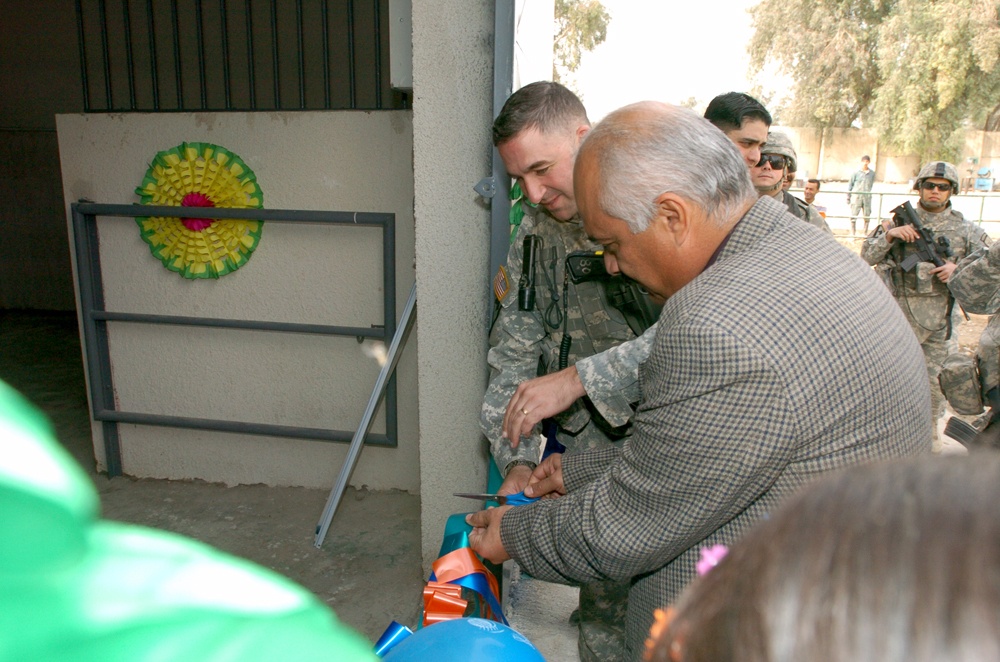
(976, 285)
(925, 300)
(524, 344)
(805, 211)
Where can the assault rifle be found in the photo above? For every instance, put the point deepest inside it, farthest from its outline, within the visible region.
(929, 248)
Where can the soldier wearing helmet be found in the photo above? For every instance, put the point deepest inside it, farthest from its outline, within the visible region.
(923, 292)
(777, 157)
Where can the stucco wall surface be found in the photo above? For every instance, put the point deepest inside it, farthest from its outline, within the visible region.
(452, 114)
(337, 161)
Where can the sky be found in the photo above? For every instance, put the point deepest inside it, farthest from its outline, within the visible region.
(668, 51)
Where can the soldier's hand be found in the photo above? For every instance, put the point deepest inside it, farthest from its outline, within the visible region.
(540, 398)
(905, 233)
(945, 271)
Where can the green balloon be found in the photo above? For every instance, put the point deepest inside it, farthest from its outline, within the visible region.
(73, 587)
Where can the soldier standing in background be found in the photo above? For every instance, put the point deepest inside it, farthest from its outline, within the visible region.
(861, 184)
(976, 285)
(923, 292)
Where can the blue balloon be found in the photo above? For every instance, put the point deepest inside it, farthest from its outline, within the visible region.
(464, 639)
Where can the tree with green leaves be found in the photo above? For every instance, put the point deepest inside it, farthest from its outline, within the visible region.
(581, 25)
(917, 71)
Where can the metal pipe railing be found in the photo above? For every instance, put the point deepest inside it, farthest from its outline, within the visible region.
(95, 319)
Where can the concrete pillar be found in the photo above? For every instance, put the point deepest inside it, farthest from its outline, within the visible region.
(452, 94)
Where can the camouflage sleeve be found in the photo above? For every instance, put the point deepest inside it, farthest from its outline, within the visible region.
(875, 248)
(976, 281)
(611, 378)
(515, 345)
(813, 217)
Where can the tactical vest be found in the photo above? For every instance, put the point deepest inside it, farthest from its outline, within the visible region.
(795, 206)
(593, 323)
(922, 294)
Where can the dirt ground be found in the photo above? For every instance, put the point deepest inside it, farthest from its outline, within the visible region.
(369, 569)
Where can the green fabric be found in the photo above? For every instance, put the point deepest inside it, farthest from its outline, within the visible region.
(516, 209)
(73, 587)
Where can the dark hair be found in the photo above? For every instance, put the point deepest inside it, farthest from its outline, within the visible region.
(728, 111)
(544, 105)
(866, 158)
(814, 181)
(897, 561)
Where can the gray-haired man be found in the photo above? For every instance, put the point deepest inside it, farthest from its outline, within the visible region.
(727, 424)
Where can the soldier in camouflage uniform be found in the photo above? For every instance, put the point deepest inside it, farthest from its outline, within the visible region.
(976, 285)
(537, 134)
(777, 158)
(923, 292)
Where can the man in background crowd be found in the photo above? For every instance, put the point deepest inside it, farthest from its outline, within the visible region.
(861, 184)
(809, 193)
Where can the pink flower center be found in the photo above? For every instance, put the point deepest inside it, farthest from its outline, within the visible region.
(197, 200)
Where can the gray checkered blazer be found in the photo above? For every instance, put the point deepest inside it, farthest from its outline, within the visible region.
(785, 359)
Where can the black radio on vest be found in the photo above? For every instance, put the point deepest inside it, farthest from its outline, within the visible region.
(529, 267)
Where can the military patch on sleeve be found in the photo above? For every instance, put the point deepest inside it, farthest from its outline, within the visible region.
(501, 284)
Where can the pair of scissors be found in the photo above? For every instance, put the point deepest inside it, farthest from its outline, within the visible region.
(518, 499)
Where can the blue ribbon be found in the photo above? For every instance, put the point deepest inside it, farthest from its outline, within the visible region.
(393, 634)
(519, 499)
(456, 536)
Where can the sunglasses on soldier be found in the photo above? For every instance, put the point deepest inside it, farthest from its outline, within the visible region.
(776, 161)
(927, 186)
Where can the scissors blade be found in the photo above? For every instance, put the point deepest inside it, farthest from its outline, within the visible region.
(502, 500)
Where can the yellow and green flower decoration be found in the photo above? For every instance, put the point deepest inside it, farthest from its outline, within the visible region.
(200, 175)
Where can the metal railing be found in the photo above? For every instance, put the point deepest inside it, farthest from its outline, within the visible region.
(235, 55)
(95, 319)
(978, 207)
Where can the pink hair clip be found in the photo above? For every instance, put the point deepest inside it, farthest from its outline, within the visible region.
(710, 557)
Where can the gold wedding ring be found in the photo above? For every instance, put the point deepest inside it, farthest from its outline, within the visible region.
(524, 411)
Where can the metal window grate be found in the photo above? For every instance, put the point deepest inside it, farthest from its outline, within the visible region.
(235, 55)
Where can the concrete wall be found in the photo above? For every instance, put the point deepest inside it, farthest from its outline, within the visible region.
(341, 161)
(452, 114)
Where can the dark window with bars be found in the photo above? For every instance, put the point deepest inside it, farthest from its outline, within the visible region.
(238, 55)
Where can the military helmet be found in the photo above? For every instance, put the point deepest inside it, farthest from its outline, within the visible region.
(941, 170)
(779, 143)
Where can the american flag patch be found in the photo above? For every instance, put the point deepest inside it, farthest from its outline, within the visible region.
(500, 284)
